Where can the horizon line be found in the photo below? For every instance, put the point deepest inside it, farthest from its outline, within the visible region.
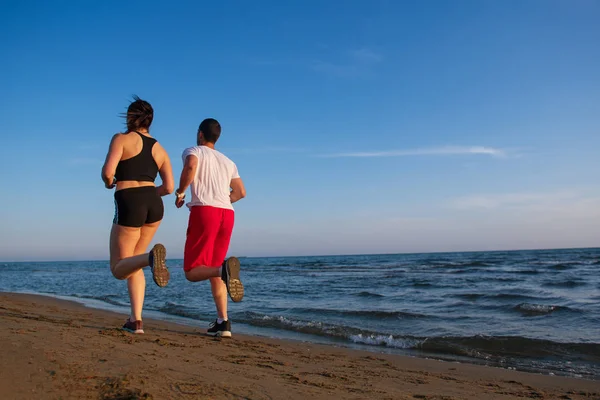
(350, 254)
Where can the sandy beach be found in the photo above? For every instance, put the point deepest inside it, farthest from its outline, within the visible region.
(54, 349)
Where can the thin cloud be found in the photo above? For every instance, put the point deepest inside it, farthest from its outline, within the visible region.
(365, 55)
(267, 149)
(88, 146)
(351, 63)
(269, 62)
(84, 161)
(340, 70)
(536, 200)
(355, 63)
(435, 151)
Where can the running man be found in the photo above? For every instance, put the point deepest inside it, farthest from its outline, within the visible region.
(216, 184)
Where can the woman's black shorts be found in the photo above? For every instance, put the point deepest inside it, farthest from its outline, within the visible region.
(135, 207)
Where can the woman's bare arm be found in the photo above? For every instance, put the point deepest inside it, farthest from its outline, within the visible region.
(115, 151)
(166, 174)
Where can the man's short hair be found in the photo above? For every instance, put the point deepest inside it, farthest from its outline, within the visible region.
(211, 130)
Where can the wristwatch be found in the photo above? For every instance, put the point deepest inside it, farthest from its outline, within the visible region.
(180, 196)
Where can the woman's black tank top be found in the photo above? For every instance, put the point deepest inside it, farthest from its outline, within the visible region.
(140, 167)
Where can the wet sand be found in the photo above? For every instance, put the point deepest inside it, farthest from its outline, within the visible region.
(54, 349)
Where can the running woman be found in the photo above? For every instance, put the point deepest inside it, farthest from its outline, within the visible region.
(134, 159)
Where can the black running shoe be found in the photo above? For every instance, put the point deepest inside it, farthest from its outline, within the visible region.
(223, 329)
(231, 277)
(157, 259)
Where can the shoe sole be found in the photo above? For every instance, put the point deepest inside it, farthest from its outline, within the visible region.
(235, 288)
(137, 331)
(160, 272)
(225, 334)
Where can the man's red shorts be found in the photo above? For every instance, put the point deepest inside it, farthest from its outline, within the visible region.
(208, 235)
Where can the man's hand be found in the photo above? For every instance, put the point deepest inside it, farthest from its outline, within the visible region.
(179, 198)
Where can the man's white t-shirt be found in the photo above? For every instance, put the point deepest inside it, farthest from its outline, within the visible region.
(212, 180)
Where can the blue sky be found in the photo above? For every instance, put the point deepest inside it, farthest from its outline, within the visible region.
(380, 126)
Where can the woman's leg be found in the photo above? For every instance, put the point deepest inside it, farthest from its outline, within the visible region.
(128, 257)
(136, 283)
(123, 241)
(123, 265)
(124, 261)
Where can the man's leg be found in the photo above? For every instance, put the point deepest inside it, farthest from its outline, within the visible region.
(230, 267)
(221, 246)
(203, 227)
(201, 273)
(219, 292)
(199, 241)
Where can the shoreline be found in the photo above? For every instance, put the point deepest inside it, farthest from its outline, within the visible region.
(63, 349)
(240, 328)
(296, 337)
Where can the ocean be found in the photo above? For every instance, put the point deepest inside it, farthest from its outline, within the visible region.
(536, 311)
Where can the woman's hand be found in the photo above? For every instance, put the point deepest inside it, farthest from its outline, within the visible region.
(111, 185)
(163, 190)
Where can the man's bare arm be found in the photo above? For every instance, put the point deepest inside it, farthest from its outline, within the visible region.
(187, 173)
(238, 191)
(186, 178)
